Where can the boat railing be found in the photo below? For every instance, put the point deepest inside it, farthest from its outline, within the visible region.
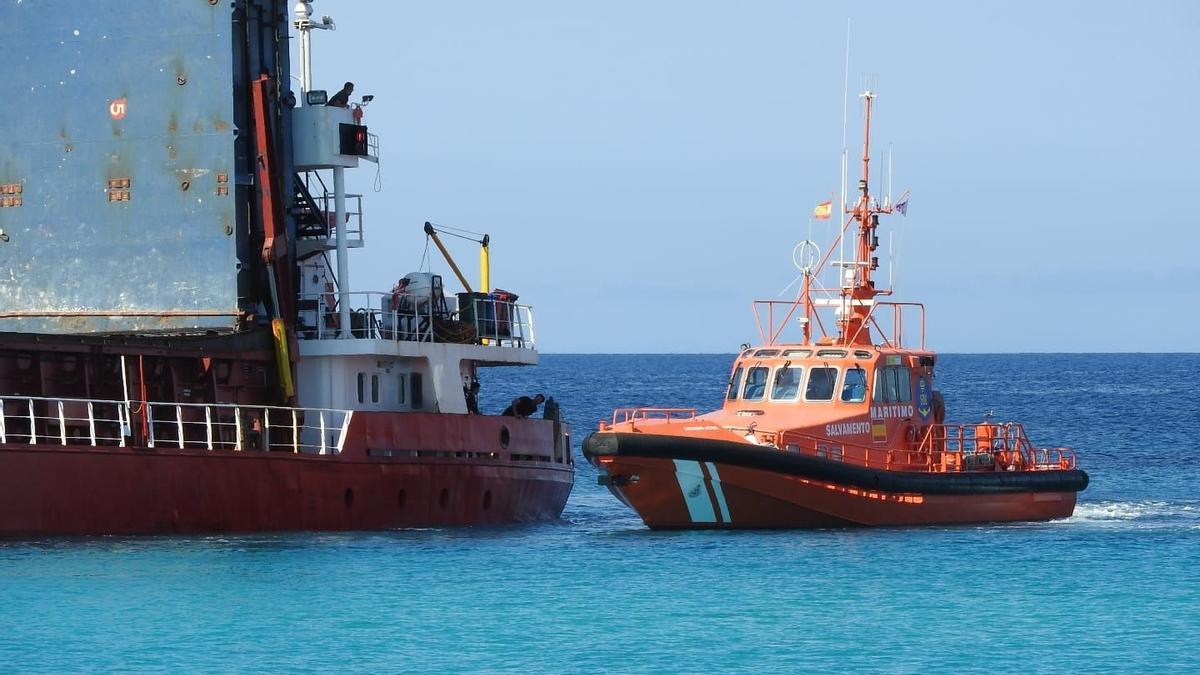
(943, 448)
(377, 315)
(987, 444)
(773, 316)
(36, 420)
(623, 415)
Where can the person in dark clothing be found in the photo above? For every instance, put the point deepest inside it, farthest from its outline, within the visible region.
(472, 394)
(255, 436)
(523, 406)
(342, 98)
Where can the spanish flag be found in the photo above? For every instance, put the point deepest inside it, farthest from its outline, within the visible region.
(823, 210)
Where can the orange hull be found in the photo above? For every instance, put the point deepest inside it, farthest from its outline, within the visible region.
(687, 491)
(757, 499)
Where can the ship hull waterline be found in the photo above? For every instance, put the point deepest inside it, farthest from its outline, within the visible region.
(687, 485)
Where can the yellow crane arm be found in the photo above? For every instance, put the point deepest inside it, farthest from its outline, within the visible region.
(446, 254)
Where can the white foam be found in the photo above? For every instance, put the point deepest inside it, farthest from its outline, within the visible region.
(1139, 513)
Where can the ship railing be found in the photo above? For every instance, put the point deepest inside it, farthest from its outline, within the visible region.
(1001, 445)
(398, 317)
(320, 431)
(623, 415)
(353, 223)
(40, 420)
(943, 448)
(37, 420)
(773, 316)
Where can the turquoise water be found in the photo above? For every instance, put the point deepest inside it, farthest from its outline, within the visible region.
(1115, 588)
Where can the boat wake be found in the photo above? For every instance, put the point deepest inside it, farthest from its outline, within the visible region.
(1147, 514)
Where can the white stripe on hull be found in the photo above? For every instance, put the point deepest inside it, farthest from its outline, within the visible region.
(695, 493)
(719, 492)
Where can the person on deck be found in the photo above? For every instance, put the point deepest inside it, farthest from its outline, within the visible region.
(523, 406)
(472, 394)
(342, 98)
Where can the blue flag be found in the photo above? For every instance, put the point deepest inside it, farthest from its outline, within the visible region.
(902, 206)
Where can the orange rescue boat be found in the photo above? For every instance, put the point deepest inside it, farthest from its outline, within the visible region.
(842, 430)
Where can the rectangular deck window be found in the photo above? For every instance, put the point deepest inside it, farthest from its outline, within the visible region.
(893, 384)
(854, 387)
(787, 383)
(735, 385)
(756, 383)
(362, 377)
(820, 384)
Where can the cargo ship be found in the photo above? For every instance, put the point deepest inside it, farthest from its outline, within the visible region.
(181, 350)
(841, 427)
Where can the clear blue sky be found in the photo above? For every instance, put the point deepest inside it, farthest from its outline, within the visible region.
(644, 168)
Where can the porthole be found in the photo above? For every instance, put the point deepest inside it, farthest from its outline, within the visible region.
(504, 437)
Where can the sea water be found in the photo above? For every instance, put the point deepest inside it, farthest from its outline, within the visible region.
(1114, 588)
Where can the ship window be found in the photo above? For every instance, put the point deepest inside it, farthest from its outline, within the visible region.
(756, 383)
(893, 385)
(854, 388)
(362, 378)
(832, 353)
(787, 383)
(763, 353)
(904, 384)
(400, 389)
(374, 388)
(735, 384)
(820, 384)
(862, 354)
(889, 385)
(805, 353)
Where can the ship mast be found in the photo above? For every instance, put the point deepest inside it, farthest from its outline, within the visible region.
(858, 289)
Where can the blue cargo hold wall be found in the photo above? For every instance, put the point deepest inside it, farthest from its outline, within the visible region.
(119, 165)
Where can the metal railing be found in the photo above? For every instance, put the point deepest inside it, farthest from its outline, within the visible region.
(92, 422)
(390, 316)
(354, 217)
(989, 443)
(780, 314)
(623, 415)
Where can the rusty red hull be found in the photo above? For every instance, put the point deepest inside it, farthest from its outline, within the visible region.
(396, 470)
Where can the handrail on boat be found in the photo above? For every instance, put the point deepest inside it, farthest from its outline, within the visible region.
(1006, 449)
(622, 415)
(38, 420)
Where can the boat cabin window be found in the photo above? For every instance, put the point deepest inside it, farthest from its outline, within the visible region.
(832, 353)
(735, 385)
(820, 384)
(893, 384)
(756, 383)
(764, 353)
(374, 388)
(854, 387)
(862, 354)
(787, 383)
(400, 389)
(362, 378)
(803, 353)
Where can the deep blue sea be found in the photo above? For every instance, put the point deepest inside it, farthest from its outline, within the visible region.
(1115, 588)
